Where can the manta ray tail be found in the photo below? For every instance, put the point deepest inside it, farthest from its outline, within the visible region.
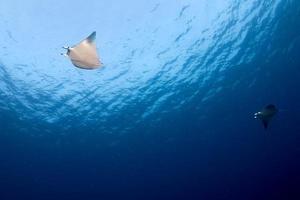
(265, 123)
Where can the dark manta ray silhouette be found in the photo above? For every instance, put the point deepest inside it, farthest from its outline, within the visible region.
(266, 114)
(84, 55)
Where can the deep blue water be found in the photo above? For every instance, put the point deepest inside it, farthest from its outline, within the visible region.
(169, 116)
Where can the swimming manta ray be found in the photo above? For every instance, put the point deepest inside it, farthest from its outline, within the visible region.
(266, 114)
(84, 55)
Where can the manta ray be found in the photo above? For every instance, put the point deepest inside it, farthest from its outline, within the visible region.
(266, 114)
(84, 55)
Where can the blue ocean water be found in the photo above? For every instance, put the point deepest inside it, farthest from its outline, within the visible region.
(169, 116)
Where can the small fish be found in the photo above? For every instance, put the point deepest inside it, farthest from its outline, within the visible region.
(84, 55)
(266, 114)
